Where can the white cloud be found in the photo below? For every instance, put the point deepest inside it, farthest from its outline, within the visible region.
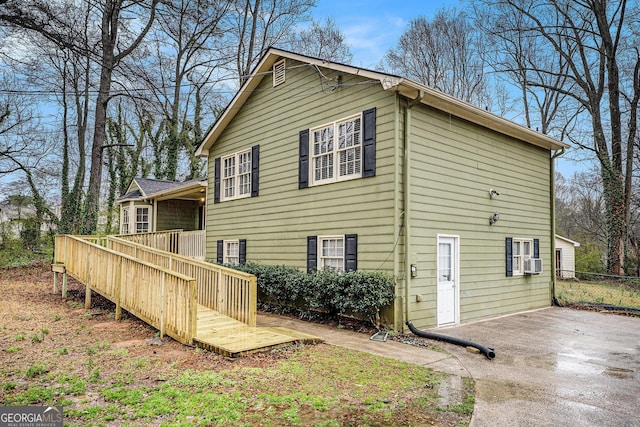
(370, 38)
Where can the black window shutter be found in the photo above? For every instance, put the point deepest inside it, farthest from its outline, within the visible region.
(369, 142)
(216, 180)
(303, 159)
(242, 257)
(220, 251)
(351, 252)
(509, 255)
(312, 254)
(255, 164)
(536, 248)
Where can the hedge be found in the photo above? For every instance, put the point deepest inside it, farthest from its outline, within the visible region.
(359, 294)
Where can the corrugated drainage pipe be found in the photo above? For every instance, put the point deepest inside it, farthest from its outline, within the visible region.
(452, 340)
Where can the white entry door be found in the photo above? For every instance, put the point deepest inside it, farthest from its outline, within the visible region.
(447, 299)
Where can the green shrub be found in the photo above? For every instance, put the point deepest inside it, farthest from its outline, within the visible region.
(359, 293)
(589, 258)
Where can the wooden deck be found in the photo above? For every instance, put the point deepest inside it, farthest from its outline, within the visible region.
(194, 302)
(232, 338)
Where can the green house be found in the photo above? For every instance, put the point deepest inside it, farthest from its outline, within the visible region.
(316, 164)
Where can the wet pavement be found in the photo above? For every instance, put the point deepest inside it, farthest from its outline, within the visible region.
(553, 367)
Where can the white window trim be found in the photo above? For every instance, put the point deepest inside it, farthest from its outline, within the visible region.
(522, 256)
(148, 221)
(125, 213)
(236, 176)
(225, 251)
(279, 70)
(335, 152)
(321, 258)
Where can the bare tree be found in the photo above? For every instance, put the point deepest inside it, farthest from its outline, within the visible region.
(444, 53)
(57, 22)
(523, 59)
(16, 118)
(323, 40)
(183, 52)
(594, 47)
(260, 24)
(24, 149)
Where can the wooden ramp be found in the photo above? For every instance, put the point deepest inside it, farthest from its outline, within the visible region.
(232, 338)
(191, 301)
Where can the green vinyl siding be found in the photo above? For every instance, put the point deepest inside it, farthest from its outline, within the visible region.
(454, 165)
(277, 222)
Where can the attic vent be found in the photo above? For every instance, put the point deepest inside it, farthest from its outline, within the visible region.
(278, 73)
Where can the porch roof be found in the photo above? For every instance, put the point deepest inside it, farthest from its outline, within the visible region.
(145, 188)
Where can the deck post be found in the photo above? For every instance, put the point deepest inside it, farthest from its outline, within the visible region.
(55, 282)
(118, 292)
(193, 311)
(87, 297)
(220, 292)
(64, 284)
(163, 305)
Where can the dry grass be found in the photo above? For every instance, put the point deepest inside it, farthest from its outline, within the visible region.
(107, 373)
(619, 294)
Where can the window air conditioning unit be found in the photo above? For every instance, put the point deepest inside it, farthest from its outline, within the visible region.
(533, 266)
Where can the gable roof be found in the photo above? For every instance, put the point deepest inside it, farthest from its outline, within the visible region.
(145, 188)
(407, 88)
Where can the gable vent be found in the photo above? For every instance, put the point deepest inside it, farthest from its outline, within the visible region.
(278, 73)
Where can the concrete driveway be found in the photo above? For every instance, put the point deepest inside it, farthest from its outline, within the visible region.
(553, 367)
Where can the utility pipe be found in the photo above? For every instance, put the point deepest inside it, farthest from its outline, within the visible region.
(407, 198)
(487, 351)
(553, 224)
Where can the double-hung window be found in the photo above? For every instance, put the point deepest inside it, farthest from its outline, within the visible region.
(331, 252)
(339, 252)
(236, 175)
(142, 220)
(231, 252)
(336, 151)
(521, 249)
(124, 227)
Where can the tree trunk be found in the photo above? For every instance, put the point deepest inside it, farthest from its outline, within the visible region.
(92, 201)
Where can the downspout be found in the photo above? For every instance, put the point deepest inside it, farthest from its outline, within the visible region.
(407, 199)
(557, 154)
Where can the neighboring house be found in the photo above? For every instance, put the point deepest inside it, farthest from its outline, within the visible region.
(153, 205)
(12, 218)
(315, 164)
(565, 257)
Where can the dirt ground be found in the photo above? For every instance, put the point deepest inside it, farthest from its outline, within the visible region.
(37, 325)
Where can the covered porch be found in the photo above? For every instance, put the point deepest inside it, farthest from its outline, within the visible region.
(151, 205)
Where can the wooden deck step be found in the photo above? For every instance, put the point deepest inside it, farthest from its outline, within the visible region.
(232, 338)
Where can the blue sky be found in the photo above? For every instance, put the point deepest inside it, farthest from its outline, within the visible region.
(371, 27)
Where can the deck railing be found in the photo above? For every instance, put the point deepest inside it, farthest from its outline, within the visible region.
(163, 298)
(192, 244)
(229, 292)
(188, 243)
(164, 240)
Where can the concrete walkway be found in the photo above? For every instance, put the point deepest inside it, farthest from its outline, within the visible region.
(553, 367)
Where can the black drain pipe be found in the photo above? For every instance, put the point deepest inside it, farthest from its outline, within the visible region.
(452, 340)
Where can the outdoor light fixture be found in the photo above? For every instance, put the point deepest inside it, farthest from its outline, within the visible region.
(494, 218)
(493, 193)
